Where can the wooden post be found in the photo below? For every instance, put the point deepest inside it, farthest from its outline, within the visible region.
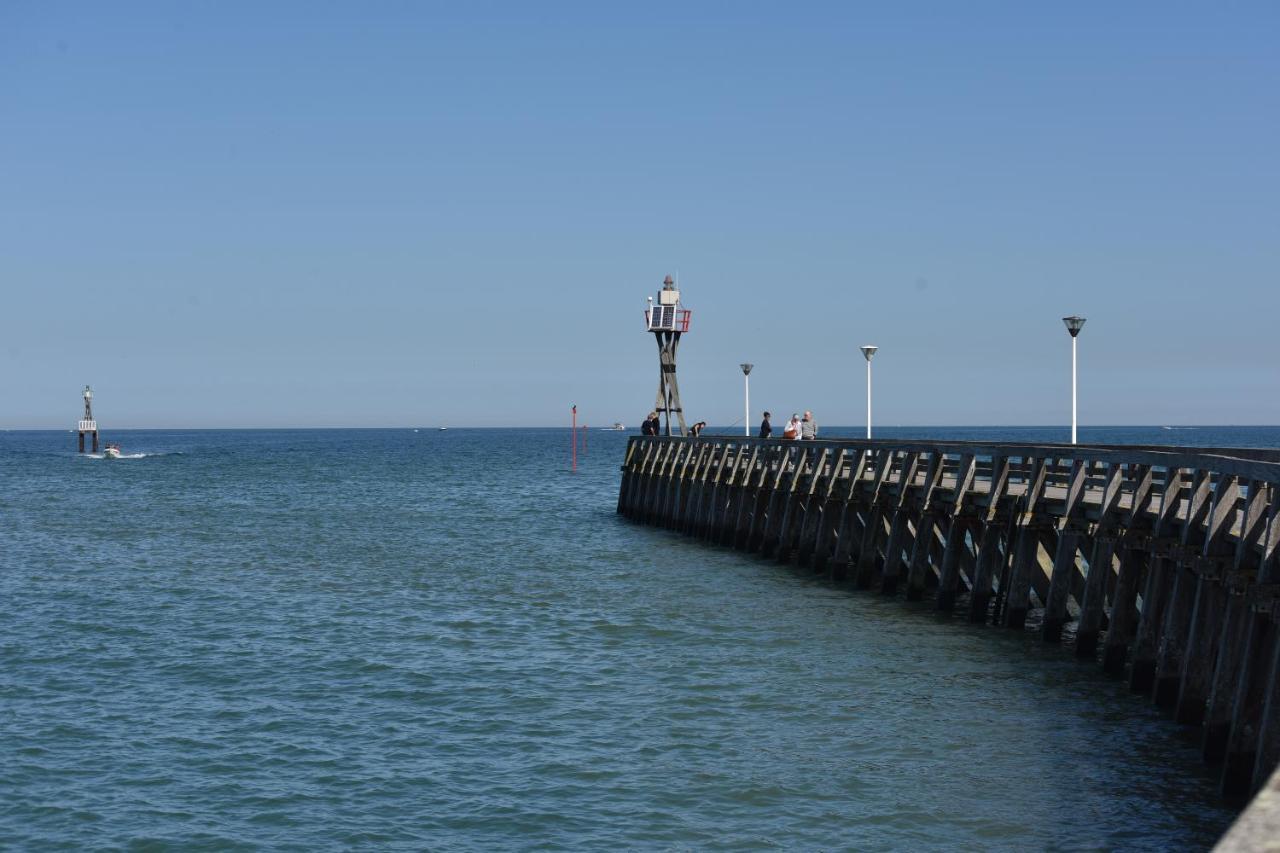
(949, 574)
(1173, 636)
(1026, 557)
(812, 502)
(793, 508)
(989, 557)
(892, 565)
(1124, 610)
(1240, 763)
(706, 489)
(780, 512)
(628, 474)
(1226, 677)
(1210, 605)
(874, 525)
(1095, 592)
(1201, 656)
(1250, 571)
(829, 514)
(918, 565)
(1177, 623)
(919, 570)
(959, 522)
(679, 486)
(759, 501)
(848, 534)
(1064, 566)
(1268, 755)
(1146, 643)
(744, 494)
(656, 481)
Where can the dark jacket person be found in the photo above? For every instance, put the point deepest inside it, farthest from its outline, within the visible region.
(766, 429)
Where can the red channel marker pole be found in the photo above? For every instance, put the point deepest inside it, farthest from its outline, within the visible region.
(574, 432)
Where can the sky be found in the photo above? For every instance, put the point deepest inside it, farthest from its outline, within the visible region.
(414, 214)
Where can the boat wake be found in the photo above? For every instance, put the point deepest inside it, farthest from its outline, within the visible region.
(121, 456)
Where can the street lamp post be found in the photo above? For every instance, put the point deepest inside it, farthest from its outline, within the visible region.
(1074, 324)
(869, 351)
(746, 398)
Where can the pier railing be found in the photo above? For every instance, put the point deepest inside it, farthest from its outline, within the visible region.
(1158, 562)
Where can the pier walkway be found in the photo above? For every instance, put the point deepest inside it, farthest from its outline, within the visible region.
(1159, 563)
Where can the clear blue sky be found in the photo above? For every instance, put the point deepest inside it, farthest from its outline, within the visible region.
(368, 214)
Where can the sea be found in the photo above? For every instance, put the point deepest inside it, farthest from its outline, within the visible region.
(415, 639)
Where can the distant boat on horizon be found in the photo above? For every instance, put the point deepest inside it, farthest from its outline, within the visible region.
(617, 427)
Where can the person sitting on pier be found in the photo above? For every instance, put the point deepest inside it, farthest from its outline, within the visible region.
(808, 427)
(766, 428)
(792, 429)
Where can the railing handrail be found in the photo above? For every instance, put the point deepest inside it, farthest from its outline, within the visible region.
(1250, 463)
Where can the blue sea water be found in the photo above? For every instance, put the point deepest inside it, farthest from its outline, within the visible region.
(411, 640)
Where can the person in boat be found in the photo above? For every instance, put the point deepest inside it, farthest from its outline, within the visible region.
(766, 428)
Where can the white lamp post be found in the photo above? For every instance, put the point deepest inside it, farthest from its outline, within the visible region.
(1074, 324)
(746, 398)
(869, 351)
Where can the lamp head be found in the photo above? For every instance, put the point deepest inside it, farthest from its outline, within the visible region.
(1074, 324)
(746, 368)
(868, 351)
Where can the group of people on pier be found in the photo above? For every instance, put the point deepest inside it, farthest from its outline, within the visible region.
(796, 429)
(652, 425)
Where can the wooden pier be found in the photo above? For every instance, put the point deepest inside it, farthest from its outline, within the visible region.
(1158, 563)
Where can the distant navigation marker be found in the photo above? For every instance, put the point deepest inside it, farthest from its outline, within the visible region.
(88, 424)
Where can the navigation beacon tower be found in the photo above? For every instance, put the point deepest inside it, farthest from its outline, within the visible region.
(668, 320)
(88, 424)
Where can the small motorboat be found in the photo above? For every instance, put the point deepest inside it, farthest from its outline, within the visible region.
(111, 451)
(617, 427)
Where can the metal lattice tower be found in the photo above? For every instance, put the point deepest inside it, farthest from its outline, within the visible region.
(668, 320)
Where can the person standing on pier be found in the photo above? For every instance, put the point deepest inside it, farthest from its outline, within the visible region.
(766, 428)
(792, 429)
(808, 427)
(650, 425)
